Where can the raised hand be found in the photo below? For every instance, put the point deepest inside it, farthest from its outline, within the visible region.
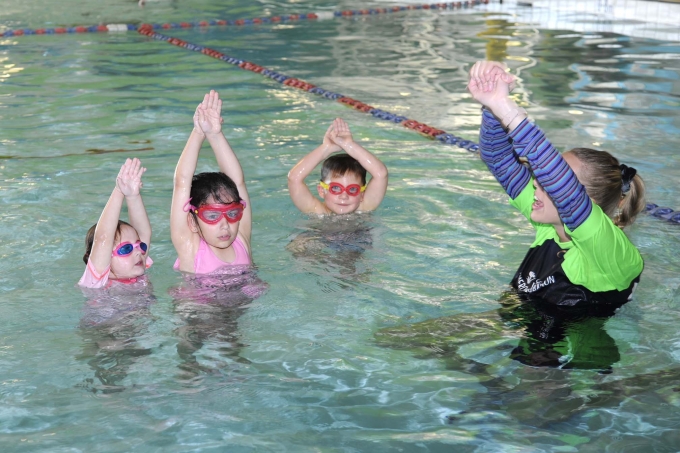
(197, 125)
(340, 134)
(489, 83)
(331, 146)
(209, 114)
(129, 180)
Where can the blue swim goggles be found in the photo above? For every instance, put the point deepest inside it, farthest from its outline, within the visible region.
(126, 248)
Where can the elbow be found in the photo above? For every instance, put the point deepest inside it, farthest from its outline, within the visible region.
(294, 177)
(380, 173)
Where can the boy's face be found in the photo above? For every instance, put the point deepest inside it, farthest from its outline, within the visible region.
(342, 203)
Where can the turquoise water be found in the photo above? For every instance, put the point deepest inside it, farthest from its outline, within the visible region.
(320, 360)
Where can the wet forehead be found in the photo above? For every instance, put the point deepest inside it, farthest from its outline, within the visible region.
(128, 234)
(226, 199)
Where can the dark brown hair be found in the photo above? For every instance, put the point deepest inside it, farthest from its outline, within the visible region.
(603, 178)
(341, 164)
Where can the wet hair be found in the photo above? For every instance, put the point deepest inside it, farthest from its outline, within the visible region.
(339, 165)
(89, 237)
(216, 184)
(616, 188)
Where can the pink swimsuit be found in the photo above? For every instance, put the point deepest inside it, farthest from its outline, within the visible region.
(206, 261)
(92, 279)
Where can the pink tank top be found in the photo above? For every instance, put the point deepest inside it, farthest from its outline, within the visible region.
(206, 261)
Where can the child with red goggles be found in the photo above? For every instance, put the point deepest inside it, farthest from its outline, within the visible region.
(210, 216)
(343, 188)
(117, 250)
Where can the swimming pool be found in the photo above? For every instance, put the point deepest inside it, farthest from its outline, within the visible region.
(304, 366)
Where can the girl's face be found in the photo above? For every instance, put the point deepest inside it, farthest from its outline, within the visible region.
(342, 203)
(543, 210)
(132, 265)
(220, 234)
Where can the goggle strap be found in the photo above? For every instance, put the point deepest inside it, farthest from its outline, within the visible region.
(327, 187)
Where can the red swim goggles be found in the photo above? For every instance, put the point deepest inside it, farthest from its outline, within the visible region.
(212, 213)
(335, 188)
(126, 248)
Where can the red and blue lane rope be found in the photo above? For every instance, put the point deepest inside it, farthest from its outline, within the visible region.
(241, 22)
(428, 131)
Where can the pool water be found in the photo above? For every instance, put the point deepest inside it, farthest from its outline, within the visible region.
(386, 331)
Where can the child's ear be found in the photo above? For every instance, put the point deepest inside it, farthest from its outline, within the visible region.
(322, 191)
(192, 223)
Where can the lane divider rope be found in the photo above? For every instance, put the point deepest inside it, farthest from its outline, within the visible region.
(424, 129)
(110, 28)
(431, 132)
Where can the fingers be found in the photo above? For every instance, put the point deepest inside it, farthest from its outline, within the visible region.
(329, 131)
(131, 170)
(211, 100)
(485, 74)
(137, 170)
(200, 115)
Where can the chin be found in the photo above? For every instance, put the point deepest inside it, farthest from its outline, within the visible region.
(344, 209)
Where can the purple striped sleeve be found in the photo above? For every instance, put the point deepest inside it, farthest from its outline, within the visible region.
(553, 173)
(497, 153)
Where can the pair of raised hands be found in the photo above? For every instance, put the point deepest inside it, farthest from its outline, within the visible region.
(129, 179)
(337, 136)
(490, 83)
(208, 115)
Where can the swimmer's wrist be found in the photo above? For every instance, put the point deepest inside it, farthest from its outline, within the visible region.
(509, 114)
(503, 108)
(212, 134)
(348, 144)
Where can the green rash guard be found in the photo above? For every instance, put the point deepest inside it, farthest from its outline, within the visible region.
(599, 258)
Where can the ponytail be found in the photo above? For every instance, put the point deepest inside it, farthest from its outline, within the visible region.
(632, 203)
(614, 187)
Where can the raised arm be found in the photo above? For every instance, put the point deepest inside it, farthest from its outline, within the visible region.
(299, 192)
(551, 171)
(129, 182)
(105, 232)
(180, 232)
(377, 186)
(497, 153)
(210, 121)
(495, 147)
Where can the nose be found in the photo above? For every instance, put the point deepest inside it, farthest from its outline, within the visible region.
(223, 222)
